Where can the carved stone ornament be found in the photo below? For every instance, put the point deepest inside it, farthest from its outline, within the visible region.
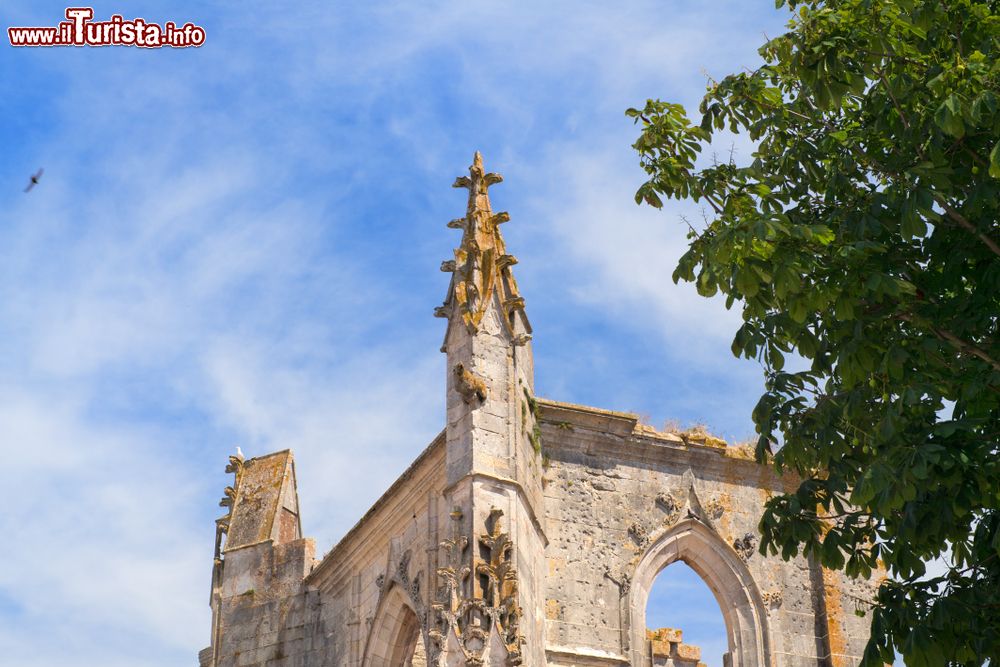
(481, 265)
(639, 534)
(471, 387)
(745, 546)
(714, 509)
(671, 507)
(235, 468)
(622, 579)
(772, 598)
(400, 575)
(477, 623)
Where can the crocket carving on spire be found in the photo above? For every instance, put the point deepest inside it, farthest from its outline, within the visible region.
(481, 263)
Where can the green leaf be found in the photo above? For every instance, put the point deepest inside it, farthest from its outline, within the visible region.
(949, 117)
(706, 284)
(995, 161)
(777, 359)
(798, 310)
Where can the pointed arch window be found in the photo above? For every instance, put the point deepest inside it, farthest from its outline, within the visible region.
(695, 543)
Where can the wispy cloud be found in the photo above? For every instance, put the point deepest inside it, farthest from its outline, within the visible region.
(103, 532)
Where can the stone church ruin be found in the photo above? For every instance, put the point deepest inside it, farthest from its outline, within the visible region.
(528, 532)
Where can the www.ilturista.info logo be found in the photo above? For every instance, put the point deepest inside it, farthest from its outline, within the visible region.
(80, 30)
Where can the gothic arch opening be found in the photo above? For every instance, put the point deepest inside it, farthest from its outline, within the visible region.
(684, 621)
(396, 637)
(701, 548)
(410, 648)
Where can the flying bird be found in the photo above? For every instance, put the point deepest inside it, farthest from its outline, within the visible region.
(34, 180)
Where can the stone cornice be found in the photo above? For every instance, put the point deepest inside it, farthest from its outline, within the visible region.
(619, 437)
(585, 657)
(596, 419)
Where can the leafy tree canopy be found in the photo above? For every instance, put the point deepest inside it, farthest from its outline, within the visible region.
(864, 236)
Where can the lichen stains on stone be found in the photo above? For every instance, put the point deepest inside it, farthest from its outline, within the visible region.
(744, 452)
(835, 619)
(258, 499)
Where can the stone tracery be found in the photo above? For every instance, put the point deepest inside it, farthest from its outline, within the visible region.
(467, 619)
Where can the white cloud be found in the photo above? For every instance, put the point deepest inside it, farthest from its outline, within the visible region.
(631, 250)
(99, 528)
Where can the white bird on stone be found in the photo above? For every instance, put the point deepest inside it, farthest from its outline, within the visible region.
(239, 452)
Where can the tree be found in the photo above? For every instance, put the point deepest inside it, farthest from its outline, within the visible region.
(864, 236)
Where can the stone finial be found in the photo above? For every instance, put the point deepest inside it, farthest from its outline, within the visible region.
(482, 265)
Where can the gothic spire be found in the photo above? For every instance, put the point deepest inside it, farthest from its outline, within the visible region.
(481, 265)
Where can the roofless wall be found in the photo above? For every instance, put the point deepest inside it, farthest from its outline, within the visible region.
(529, 532)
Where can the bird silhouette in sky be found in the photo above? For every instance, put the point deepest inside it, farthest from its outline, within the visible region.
(34, 180)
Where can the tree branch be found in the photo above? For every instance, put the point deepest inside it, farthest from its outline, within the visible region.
(963, 346)
(966, 225)
(895, 103)
(953, 340)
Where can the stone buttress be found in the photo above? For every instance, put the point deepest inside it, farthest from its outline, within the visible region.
(488, 606)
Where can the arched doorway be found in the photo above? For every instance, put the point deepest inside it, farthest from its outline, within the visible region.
(701, 548)
(396, 638)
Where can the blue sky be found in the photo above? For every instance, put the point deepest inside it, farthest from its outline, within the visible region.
(239, 244)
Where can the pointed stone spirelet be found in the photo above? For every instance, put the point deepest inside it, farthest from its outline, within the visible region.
(481, 263)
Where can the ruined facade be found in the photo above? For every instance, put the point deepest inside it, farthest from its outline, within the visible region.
(529, 532)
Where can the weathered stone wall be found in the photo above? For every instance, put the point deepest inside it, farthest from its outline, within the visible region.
(847, 631)
(620, 501)
(267, 617)
(615, 490)
(278, 608)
